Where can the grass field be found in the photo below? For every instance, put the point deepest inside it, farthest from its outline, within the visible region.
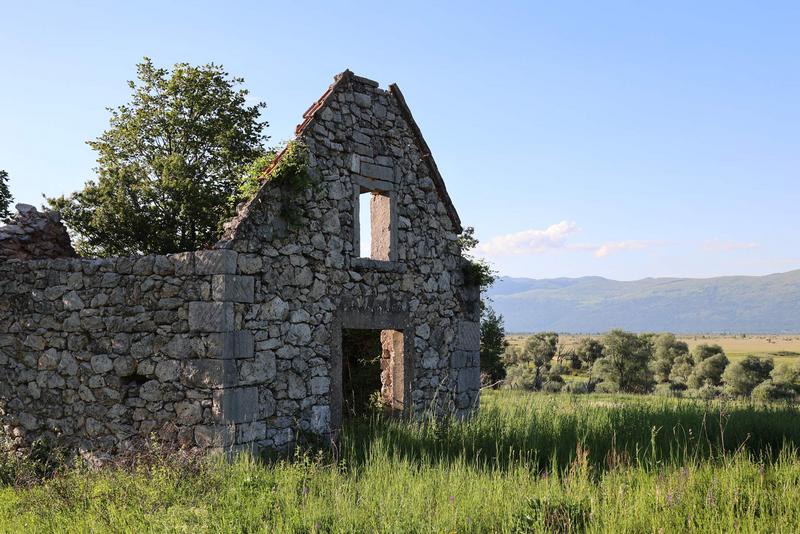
(527, 463)
(781, 347)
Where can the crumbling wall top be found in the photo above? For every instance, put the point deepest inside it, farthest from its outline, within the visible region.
(32, 235)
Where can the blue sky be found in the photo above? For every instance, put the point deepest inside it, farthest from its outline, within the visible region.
(588, 138)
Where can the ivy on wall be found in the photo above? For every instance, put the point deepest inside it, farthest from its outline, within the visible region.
(288, 169)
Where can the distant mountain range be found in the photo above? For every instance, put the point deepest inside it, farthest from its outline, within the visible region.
(732, 304)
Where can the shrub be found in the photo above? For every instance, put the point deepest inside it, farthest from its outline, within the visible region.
(521, 376)
(768, 391)
(702, 352)
(743, 376)
(626, 362)
(682, 369)
(667, 390)
(788, 376)
(606, 387)
(708, 392)
(579, 387)
(554, 384)
(708, 371)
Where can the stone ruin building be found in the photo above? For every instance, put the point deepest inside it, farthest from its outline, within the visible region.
(243, 345)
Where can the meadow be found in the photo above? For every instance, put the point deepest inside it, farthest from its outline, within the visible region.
(529, 462)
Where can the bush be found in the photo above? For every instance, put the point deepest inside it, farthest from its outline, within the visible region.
(768, 391)
(708, 392)
(788, 376)
(579, 387)
(668, 390)
(743, 376)
(521, 376)
(708, 371)
(554, 384)
(606, 387)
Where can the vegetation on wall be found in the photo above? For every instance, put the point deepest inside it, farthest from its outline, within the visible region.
(170, 164)
(477, 271)
(5, 196)
(286, 167)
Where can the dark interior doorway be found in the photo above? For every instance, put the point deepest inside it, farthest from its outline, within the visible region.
(372, 372)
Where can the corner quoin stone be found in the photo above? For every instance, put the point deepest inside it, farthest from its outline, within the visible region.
(211, 316)
(237, 405)
(218, 261)
(231, 345)
(229, 287)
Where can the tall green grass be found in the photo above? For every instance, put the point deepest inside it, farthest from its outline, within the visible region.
(528, 462)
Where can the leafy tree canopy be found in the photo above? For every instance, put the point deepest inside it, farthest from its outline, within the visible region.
(169, 166)
(493, 344)
(743, 376)
(5, 196)
(589, 350)
(703, 351)
(626, 361)
(708, 371)
(665, 350)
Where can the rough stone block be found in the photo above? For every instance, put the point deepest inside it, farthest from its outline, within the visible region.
(183, 262)
(469, 336)
(236, 405)
(208, 436)
(233, 288)
(231, 345)
(460, 358)
(469, 379)
(211, 316)
(217, 261)
(206, 373)
(247, 432)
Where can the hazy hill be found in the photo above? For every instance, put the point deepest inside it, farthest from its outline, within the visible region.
(753, 304)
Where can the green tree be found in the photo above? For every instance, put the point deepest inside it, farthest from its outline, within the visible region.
(787, 376)
(493, 344)
(665, 350)
(708, 371)
(703, 351)
(588, 351)
(768, 391)
(169, 166)
(626, 362)
(540, 349)
(742, 377)
(682, 368)
(5, 196)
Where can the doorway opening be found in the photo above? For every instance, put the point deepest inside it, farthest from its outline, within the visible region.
(372, 372)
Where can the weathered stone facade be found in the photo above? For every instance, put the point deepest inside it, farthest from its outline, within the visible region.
(240, 346)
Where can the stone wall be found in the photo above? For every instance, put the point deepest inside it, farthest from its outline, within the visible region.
(241, 346)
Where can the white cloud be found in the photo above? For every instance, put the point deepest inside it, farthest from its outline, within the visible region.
(531, 241)
(607, 249)
(716, 245)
